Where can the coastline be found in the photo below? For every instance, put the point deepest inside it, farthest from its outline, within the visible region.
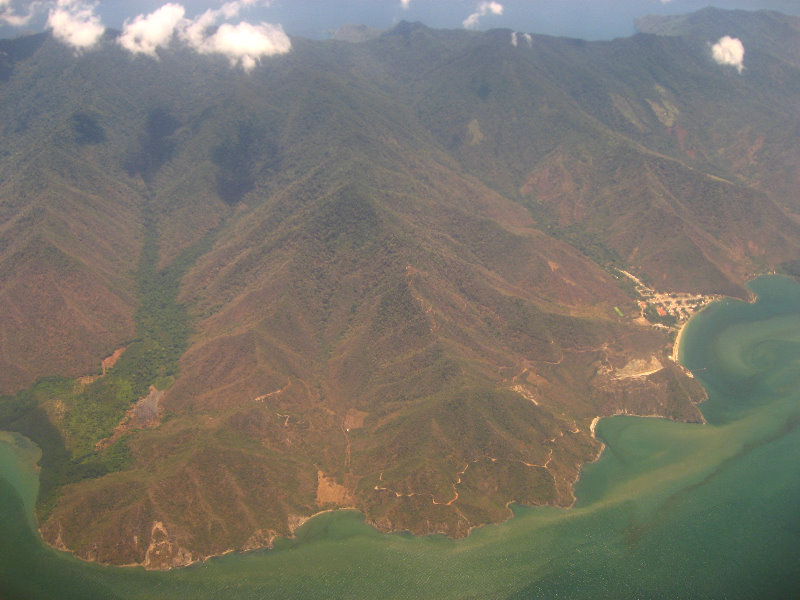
(298, 521)
(676, 346)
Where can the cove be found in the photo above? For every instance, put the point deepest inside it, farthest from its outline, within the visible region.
(671, 510)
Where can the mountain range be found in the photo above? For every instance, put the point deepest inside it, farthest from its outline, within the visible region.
(395, 275)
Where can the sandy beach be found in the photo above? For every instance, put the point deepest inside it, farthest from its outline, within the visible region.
(677, 345)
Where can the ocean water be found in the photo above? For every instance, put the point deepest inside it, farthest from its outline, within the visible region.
(671, 510)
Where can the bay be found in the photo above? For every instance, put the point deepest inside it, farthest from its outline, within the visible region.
(671, 510)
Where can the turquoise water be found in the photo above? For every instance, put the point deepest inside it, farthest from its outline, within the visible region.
(671, 510)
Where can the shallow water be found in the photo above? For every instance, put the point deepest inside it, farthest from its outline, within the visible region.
(671, 510)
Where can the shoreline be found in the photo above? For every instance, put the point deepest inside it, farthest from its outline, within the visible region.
(676, 346)
(299, 521)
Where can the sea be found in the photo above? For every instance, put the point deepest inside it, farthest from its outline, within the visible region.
(670, 510)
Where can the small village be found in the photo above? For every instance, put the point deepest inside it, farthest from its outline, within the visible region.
(666, 309)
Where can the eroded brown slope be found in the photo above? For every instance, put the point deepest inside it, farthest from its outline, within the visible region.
(69, 243)
(402, 297)
(384, 334)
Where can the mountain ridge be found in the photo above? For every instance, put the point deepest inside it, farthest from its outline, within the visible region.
(383, 275)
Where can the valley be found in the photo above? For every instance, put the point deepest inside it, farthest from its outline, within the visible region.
(644, 514)
(403, 275)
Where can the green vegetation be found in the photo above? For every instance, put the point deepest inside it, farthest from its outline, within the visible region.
(651, 314)
(25, 413)
(92, 411)
(418, 275)
(590, 244)
(237, 156)
(156, 144)
(87, 130)
(162, 326)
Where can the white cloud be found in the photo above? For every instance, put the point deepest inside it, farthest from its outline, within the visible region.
(729, 51)
(233, 8)
(74, 23)
(405, 4)
(484, 8)
(245, 44)
(17, 17)
(195, 31)
(146, 33)
(516, 37)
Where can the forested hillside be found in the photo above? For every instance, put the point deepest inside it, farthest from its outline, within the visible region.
(395, 275)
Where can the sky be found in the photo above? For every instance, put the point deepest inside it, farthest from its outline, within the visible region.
(587, 19)
(247, 31)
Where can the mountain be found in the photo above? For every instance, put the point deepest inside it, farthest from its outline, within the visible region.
(767, 32)
(387, 275)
